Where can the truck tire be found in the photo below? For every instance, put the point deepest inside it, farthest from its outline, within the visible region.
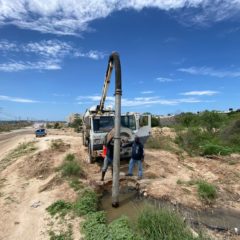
(90, 157)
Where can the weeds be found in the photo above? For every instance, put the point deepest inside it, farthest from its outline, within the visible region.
(214, 149)
(21, 150)
(206, 191)
(94, 226)
(120, 229)
(58, 145)
(67, 235)
(87, 202)
(75, 184)
(162, 224)
(59, 207)
(160, 142)
(71, 167)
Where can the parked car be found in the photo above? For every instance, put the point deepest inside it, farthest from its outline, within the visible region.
(41, 132)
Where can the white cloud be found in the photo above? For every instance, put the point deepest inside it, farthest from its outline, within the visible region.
(208, 71)
(21, 66)
(16, 99)
(70, 17)
(200, 93)
(92, 54)
(137, 101)
(147, 92)
(47, 54)
(164, 79)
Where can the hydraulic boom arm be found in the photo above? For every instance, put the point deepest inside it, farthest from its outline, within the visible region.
(113, 60)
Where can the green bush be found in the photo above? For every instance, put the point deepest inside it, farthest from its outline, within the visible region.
(192, 139)
(120, 229)
(230, 135)
(69, 157)
(162, 224)
(206, 191)
(94, 227)
(71, 167)
(214, 149)
(87, 202)
(188, 119)
(212, 120)
(59, 207)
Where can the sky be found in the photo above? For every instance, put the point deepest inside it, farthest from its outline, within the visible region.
(176, 55)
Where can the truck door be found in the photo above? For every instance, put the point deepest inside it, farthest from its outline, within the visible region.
(144, 127)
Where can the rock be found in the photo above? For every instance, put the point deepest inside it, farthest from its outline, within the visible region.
(236, 230)
(145, 194)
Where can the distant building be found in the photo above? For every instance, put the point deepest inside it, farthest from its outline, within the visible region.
(71, 118)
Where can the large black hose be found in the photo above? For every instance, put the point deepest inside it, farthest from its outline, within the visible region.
(115, 61)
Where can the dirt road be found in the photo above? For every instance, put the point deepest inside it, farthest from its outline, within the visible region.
(9, 140)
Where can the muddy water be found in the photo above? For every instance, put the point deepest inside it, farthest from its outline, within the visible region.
(131, 204)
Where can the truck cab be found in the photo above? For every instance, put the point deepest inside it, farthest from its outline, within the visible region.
(97, 126)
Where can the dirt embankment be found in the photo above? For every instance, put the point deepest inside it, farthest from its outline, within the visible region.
(30, 184)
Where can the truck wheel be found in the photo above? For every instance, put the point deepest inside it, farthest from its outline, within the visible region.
(90, 158)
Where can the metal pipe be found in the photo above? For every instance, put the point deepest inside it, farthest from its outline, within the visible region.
(115, 60)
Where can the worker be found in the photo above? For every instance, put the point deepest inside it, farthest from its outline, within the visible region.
(137, 157)
(108, 159)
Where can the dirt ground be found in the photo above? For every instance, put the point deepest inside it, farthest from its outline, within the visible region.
(29, 184)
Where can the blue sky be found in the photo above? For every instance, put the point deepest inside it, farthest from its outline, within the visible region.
(176, 55)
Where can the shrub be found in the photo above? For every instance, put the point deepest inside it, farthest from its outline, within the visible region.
(87, 202)
(160, 142)
(212, 120)
(206, 191)
(192, 139)
(59, 207)
(214, 149)
(162, 224)
(94, 227)
(120, 229)
(69, 157)
(230, 135)
(57, 144)
(71, 167)
(187, 119)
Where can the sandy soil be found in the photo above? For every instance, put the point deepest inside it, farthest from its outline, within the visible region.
(29, 185)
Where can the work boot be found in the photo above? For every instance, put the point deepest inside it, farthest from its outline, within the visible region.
(129, 174)
(103, 175)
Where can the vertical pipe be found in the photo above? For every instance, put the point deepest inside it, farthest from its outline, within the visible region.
(116, 157)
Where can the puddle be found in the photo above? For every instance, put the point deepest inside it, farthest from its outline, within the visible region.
(131, 203)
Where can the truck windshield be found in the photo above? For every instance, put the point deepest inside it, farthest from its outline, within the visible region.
(103, 123)
(106, 123)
